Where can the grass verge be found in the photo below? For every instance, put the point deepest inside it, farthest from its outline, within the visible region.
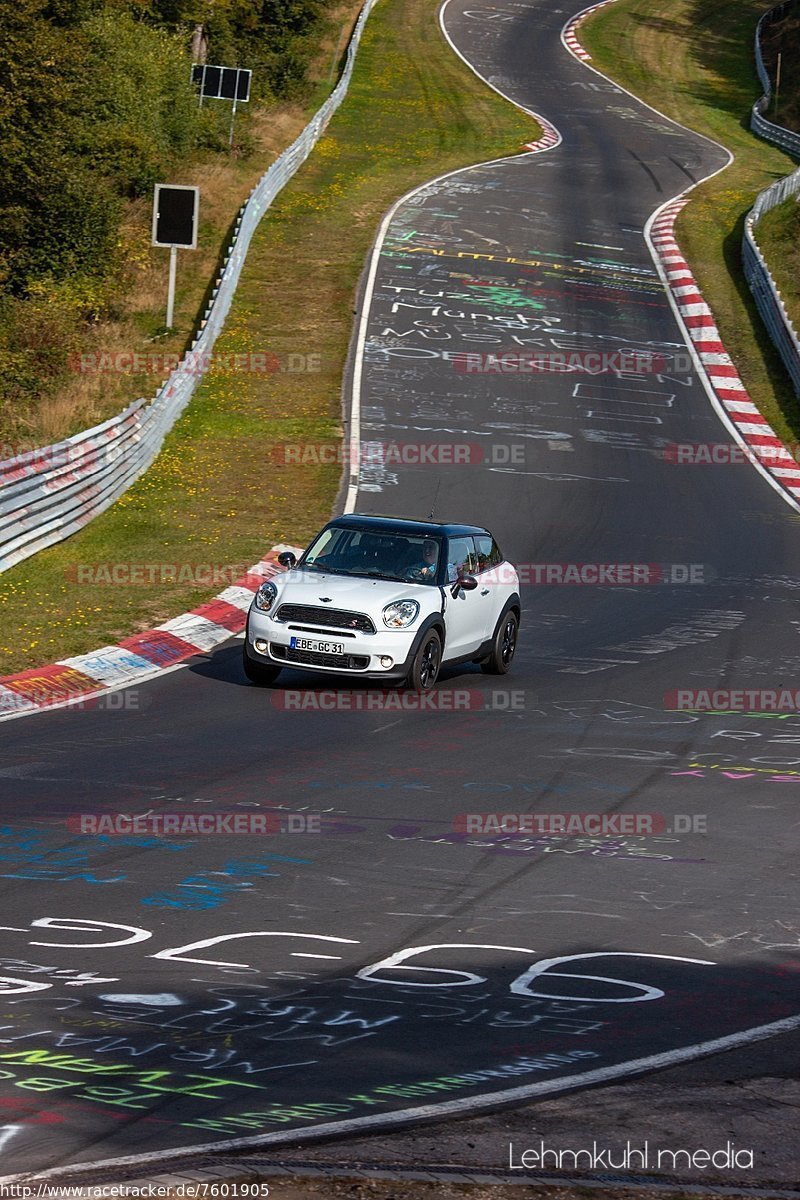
(693, 60)
(778, 238)
(778, 232)
(216, 494)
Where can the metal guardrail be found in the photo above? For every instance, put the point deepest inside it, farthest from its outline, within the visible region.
(785, 138)
(759, 277)
(47, 495)
(757, 273)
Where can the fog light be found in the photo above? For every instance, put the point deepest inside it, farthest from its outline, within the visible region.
(386, 661)
(260, 645)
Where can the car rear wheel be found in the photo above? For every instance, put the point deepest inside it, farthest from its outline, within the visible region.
(503, 645)
(427, 661)
(256, 673)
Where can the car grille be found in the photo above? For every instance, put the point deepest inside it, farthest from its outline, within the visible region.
(330, 618)
(309, 658)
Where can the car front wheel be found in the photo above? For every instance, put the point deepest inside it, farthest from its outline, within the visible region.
(425, 668)
(503, 646)
(256, 673)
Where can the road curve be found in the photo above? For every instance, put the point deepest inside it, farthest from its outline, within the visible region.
(385, 963)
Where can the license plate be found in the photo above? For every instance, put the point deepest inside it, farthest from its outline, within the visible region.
(316, 646)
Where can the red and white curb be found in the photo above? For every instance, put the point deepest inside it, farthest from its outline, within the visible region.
(766, 450)
(141, 656)
(551, 137)
(570, 34)
(755, 432)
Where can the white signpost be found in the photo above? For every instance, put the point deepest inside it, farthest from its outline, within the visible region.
(175, 213)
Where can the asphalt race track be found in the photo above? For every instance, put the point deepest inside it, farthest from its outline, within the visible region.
(161, 993)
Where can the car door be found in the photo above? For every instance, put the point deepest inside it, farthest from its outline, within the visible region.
(491, 575)
(467, 614)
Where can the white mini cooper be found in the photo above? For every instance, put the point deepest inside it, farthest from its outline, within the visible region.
(387, 599)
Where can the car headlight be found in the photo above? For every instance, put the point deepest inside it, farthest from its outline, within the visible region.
(401, 614)
(265, 596)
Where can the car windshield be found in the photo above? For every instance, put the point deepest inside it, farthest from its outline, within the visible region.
(398, 556)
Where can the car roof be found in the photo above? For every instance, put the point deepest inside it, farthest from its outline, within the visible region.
(379, 524)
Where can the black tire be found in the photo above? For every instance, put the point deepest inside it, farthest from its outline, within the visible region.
(427, 661)
(256, 673)
(504, 644)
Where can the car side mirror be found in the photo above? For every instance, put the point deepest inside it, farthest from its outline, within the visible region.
(287, 559)
(467, 582)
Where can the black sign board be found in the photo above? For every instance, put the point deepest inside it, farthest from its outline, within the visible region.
(175, 212)
(222, 83)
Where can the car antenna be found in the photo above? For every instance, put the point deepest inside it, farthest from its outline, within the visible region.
(435, 498)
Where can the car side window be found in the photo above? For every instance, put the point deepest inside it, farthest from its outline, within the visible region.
(488, 552)
(461, 558)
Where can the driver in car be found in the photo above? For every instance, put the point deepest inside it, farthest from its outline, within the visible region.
(426, 569)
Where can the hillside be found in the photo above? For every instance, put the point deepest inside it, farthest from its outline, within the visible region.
(96, 105)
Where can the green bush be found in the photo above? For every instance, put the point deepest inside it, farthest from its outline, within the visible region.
(143, 110)
(38, 334)
(96, 105)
